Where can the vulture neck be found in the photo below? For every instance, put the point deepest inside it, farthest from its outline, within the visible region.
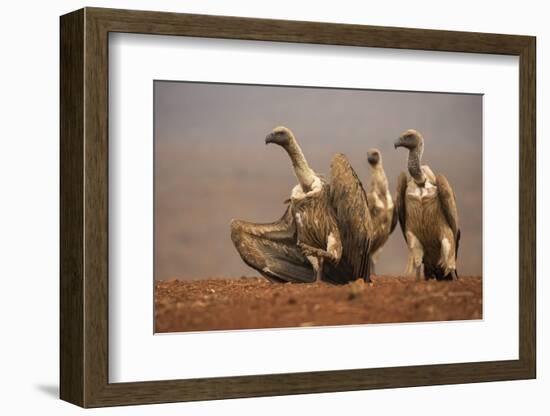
(379, 181)
(304, 173)
(414, 165)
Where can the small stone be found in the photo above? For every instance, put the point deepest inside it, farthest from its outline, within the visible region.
(355, 289)
(198, 304)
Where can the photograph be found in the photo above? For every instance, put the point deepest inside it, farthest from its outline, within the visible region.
(242, 199)
(294, 206)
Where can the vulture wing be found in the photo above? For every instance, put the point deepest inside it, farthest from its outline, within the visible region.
(349, 201)
(447, 200)
(271, 249)
(400, 204)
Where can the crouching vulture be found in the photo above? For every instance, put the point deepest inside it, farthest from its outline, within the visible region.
(428, 216)
(299, 246)
(326, 230)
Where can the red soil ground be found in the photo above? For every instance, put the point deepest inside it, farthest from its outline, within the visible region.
(246, 303)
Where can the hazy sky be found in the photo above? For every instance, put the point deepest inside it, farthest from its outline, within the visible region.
(212, 165)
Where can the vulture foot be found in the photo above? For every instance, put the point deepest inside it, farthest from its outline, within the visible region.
(310, 251)
(418, 273)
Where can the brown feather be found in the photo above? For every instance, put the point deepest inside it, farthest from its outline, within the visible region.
(430, 219)
(315, 221)
(271, 249)
(447, 200)
(349, 201)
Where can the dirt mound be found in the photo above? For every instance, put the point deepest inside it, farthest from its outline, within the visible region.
(250, 302)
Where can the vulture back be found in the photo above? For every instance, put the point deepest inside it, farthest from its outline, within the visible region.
(349, 200)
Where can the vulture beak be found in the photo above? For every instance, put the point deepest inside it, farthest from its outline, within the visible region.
(270, 138)
(397, 143)
(277, 138)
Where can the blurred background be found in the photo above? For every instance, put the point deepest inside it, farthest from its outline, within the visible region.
(212, 165)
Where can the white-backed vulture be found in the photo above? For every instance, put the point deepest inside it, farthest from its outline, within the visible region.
(428, 216)
(381, 206)
(307, 233)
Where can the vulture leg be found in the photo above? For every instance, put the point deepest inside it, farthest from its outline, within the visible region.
(416, 255)
(373, 258)
(447, 262)
(370, 270)
(317, 257)
(430, 272)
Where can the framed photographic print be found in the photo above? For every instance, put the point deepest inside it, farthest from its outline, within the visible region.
(255, 207)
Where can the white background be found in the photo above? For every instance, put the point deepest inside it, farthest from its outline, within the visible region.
(136, 355)
(29, 209)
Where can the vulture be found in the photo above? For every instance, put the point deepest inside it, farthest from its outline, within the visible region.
(426, 206)
(306, 239)
(381, 206)
(326, 231)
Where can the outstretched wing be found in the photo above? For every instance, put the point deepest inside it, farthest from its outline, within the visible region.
(271, 249)
(349, 201)
(447, 199)
(400, 202)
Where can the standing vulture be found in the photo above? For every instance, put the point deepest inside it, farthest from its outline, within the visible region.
(382, 209)
(428, 216)
(304, 237)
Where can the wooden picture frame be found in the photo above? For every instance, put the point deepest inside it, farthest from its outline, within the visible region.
(84, 207)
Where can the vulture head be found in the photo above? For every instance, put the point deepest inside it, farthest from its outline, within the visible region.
(410, 139)
(413, 140)
(374, 157)
(280, 135)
